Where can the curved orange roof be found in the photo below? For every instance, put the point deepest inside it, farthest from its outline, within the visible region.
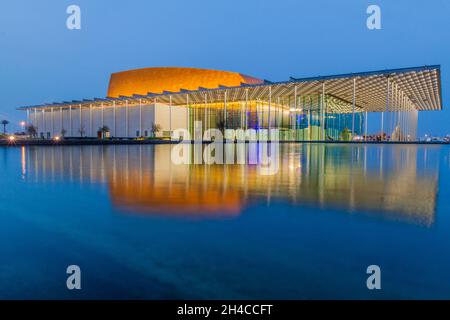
(157, 80)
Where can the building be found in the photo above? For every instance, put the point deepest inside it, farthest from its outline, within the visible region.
(307, 109)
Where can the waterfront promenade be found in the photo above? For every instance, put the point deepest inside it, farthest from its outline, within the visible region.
(80, 142)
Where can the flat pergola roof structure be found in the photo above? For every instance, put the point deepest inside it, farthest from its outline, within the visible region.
(417, 88)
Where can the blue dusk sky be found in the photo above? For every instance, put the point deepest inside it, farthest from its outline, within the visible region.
(42, 61)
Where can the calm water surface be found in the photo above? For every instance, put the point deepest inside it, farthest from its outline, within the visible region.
(142, 227)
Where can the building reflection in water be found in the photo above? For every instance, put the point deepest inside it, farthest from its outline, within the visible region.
(396, 181)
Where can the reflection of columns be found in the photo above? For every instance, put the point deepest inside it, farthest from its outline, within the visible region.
(35, 119)
(353, 107)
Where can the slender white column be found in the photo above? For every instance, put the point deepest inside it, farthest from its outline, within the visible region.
(407, 120)
(270, 104)
(206, 113)
(225, 110)
(81, 122)
(140, 117)
(294, 125)
(416, 124)
(397, 103)
(114, 119)
(365, 126)
(170, 116)
(52, 121)
(261, 112)
(323, 111)
(102, 109)
(398, 112)
(309, 118)
(61, 123)
(277, 113)
(353, 107)
(126, 119)
(246, 109)
(404, 121)
(35, 119)
(387, 107)
(188, 113)
(44, 124)
(70, 119)
(91, 126)
(154, 110)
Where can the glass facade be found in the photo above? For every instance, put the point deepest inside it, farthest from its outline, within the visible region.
(298, 118)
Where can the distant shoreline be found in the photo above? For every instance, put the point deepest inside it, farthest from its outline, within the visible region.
(83, 142)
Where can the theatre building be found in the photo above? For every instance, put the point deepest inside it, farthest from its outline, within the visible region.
(153, 102)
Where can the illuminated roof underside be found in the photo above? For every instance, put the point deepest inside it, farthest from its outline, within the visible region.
(420, 86)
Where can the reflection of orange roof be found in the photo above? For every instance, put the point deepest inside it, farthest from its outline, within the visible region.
(176, 201)
(140, 192)
(157, 80)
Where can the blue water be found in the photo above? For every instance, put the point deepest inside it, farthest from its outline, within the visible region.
(140, 226)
